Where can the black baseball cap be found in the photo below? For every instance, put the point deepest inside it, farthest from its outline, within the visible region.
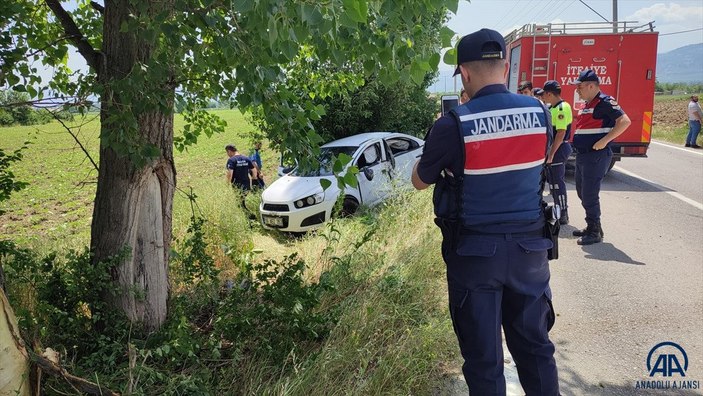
(538, 92)
(586, 75)
(484, 44)
(552, 86)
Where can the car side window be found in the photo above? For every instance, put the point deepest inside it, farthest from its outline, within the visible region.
(371, 156)
(400, 145)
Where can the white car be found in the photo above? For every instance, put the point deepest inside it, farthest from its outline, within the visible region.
(296, 202)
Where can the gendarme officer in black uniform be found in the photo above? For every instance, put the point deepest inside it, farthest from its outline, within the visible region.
(599, 122)
(486, 158)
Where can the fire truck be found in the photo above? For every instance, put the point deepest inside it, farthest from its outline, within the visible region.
(623, 54)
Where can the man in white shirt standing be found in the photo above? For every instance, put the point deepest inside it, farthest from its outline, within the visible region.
(695, 114)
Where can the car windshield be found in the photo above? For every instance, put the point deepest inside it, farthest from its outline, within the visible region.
(326, 154)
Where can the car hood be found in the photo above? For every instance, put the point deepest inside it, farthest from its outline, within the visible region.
(289, 188)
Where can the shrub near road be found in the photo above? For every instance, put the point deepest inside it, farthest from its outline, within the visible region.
(368, 315)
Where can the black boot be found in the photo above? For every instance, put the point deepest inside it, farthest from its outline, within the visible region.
(564, 219)
(580, 233)
(594, 234)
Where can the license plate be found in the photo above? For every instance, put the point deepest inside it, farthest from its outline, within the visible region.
(273, 221)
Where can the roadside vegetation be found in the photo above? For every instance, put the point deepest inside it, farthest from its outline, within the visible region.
(356, 308)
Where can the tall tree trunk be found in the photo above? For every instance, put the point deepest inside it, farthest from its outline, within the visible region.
(14, 361)
(133, 204)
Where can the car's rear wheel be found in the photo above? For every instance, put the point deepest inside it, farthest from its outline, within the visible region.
(349, 207)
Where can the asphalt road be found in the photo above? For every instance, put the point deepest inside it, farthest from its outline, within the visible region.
(642, 286)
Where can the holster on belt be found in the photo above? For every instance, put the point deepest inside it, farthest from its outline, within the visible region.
(449, 229)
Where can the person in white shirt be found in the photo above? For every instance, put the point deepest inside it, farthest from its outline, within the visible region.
(695, 114)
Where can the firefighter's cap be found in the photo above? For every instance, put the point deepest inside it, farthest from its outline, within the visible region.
(484, 44)
(586, 75)
(552, 86)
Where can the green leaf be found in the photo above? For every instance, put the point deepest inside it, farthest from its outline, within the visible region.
(418, 71)
(446, 35)
(434, 61)
(310, 13)
(337, 167)
(450, 57)
(356, 10)
(452, 5)
(351, 180)
(242, 6)
(325, 183)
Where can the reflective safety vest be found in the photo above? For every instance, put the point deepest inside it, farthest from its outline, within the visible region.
(505, 142)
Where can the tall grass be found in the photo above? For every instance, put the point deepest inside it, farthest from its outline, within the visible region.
(393, 335)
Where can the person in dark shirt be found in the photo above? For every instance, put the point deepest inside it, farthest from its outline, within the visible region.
(486, 158)
(599, 122)
(239, 169)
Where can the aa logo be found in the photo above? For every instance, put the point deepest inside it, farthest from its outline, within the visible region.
(668, 359)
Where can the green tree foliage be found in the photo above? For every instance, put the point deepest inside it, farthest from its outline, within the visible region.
(147, 57)
(685, 87)
(221, 49)
(8, 181)
(377, 106)
(15, 108)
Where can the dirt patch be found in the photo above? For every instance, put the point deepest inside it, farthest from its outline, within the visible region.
(670, 113)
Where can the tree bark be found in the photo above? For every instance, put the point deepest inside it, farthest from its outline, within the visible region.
(133, 205)
(14, 360)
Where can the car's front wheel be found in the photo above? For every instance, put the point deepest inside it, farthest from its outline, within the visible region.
(349, 207)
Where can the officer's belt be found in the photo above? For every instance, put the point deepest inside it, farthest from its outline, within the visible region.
(534, 233)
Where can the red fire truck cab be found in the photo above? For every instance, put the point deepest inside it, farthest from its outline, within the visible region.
(623, 54)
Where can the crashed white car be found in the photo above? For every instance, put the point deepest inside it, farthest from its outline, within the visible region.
(296, 202)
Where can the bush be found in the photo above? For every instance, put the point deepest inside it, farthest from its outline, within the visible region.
(401, 106)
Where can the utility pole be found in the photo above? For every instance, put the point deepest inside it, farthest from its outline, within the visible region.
(615, 16)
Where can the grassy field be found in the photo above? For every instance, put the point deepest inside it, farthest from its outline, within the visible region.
(394, 335)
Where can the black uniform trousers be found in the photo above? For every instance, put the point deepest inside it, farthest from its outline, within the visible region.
(502, 279)
(557, 172)
(591, 167)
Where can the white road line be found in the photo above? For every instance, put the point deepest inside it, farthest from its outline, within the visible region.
(674, 194)
(688, 150)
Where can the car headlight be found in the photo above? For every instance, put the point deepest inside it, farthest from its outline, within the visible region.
(309, 201)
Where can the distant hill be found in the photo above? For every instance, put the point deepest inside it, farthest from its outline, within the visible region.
(683, 64)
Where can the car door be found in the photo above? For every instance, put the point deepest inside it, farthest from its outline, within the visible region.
(374, 182)
(405, 152)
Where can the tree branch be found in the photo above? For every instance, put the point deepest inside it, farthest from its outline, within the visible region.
(74, 34)
(85, 151)
(80, 384)
(97, 7)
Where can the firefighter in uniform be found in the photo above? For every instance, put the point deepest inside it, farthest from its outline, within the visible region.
(561, 149)
(597, 124)
(485, 159)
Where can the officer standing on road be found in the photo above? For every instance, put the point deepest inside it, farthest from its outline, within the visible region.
(597, 124)
(561, 148)
(485, 158)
